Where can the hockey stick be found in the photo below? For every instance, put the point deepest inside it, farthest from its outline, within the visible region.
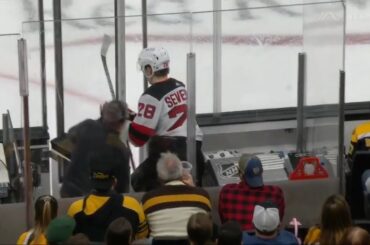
(15, 146)
(107, 40)
(20, 186)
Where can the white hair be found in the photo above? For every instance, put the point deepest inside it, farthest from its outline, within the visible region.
(169, 167)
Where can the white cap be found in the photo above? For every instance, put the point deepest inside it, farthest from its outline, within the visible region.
(266, 217)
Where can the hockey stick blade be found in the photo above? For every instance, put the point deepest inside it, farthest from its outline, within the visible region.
(105, 66)
(107, 41)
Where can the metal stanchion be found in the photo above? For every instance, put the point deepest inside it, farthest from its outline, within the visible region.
(301, 147)
(217, 58)
(340, 162)
(23, 89)
(191, 122)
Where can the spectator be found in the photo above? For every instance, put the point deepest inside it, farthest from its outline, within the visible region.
(359, 140)
(355, 236)
(78, 239)
(46, 209)
(119, 232)
(96, 211)
(335, 219)
(60, 230)
(200, 229)
(90, 136)
(161, 119)
(230, 233)
(266, 221)
(169, 207)
(236, 201)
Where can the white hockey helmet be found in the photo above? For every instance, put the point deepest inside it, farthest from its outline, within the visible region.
(156, 57)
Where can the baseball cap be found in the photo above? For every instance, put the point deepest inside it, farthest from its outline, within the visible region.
(60, 229)
(266, 217)
(253, 170)
(114, 111)
(102, 163)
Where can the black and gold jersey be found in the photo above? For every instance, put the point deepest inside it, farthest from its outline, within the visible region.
(94, 213)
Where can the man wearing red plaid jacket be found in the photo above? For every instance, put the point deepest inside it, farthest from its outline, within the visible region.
(237, 201)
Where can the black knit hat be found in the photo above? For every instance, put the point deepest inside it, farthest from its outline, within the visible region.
(102, 163)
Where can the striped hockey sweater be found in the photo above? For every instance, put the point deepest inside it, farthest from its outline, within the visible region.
(169, 208)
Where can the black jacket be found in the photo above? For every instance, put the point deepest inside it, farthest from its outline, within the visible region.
(90, 136)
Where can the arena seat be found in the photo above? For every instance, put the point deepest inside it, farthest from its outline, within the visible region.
(303, 201)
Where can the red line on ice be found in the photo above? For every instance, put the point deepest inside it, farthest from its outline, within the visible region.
(265, 39)
(67, 91)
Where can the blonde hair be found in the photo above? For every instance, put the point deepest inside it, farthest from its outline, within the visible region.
(46, 208)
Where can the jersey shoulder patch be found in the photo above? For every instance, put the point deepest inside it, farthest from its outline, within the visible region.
(159, 90)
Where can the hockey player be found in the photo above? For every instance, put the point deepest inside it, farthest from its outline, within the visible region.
(161, 119)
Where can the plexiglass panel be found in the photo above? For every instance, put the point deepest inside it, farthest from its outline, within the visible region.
(357, 50)
(96, 8)
(178, 6)
(259, 60)
(250, 4)
(202, 46)
(85, 82)
(259, 63)
(104, 8)
(257, 54)
(14, 12)
(31, 33)
(323, 45)
(9, 93)
(82, 9)
(172, 31)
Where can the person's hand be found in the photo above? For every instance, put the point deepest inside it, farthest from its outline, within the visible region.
(123, 133)
(187, 179)
(131, 114)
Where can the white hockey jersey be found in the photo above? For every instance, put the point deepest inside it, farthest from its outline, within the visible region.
(162, 110)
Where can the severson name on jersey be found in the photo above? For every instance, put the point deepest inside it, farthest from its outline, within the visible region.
(162, 110)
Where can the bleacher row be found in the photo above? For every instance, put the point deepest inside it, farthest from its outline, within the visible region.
(303, 199)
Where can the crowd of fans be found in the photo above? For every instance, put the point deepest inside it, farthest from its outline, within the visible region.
(178, 212)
